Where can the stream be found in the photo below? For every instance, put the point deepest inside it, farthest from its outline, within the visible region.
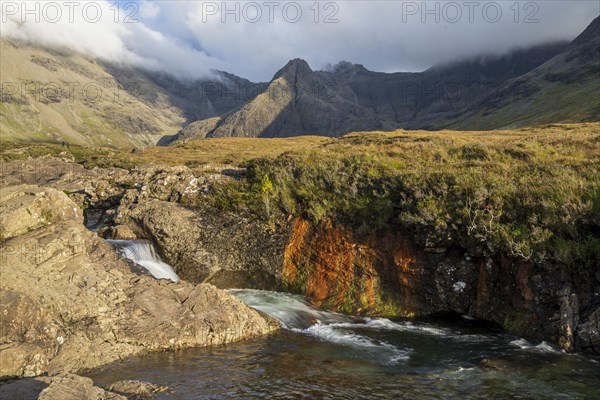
(324, 355)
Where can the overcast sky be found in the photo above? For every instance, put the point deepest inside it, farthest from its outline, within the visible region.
(255, 39)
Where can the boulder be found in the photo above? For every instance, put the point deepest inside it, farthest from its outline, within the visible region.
(24, 208)
(203, 243)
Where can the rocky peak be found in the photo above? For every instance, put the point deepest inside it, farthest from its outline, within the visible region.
(293, 70)
(348, 68)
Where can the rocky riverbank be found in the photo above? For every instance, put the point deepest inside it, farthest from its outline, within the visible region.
(391, 272)
(69, 304)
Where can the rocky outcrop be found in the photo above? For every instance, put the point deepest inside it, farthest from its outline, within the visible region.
(59, 387)
(393, 272)
(387, 273)
(70, 304)
(24, 208)
(224, 248)
(381, 273)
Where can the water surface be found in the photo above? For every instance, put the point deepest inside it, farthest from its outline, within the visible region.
(325, 355)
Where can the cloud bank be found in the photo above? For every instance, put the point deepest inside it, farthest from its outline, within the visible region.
(254, 39)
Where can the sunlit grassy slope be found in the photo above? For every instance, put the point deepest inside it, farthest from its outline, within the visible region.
(563, 145)
(532, 193)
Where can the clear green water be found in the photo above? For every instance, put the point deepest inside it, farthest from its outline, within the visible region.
(328, 356)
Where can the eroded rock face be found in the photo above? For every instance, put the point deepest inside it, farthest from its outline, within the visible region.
(386, 273)
(208, 245)
(70, 304)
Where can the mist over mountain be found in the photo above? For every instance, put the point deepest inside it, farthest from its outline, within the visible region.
(56, 94)
(190, 39)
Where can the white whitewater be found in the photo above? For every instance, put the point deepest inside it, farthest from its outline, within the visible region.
(295, 314)
(142, 253)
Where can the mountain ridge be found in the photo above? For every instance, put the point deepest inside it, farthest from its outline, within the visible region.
(349, 97)
(554, 82)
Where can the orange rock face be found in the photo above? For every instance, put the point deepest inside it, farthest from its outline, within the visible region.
(339, 270)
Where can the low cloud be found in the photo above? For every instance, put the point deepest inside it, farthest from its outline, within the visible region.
(254, 39)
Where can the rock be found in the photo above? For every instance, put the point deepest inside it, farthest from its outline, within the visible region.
(199, 244)
(24, 208)
(497, 364)
(589, 333)
(60, 387)
(73, 387)
(28, 335)
(74, 305)
(136, 389)
(119, 232)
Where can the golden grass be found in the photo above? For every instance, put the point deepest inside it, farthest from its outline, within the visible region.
(566, 143)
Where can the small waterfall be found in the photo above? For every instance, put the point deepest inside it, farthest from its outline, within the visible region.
(142, 253)
(295, 314)
(292, 311)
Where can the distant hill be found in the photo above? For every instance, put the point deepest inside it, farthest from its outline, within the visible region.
(55, 95)
(300, 101)
(566, 88)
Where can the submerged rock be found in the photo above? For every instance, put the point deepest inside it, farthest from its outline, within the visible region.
(73, 387)
(60, 387)
(136, 389)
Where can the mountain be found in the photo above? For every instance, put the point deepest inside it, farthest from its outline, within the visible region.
(566, 88)
(300, 101)
(55, 95)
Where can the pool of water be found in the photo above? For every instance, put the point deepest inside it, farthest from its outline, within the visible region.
(321, 355)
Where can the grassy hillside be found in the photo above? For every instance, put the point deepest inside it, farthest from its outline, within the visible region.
(566, 88)
(53, 96)
(532, 193)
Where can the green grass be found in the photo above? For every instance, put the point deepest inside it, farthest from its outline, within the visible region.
(532, 193)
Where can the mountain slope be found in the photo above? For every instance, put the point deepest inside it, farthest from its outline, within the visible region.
(56, 95)
(299, 101)
(564, 89)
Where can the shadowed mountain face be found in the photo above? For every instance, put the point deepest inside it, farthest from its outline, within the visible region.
(550, 83)
(56, 95)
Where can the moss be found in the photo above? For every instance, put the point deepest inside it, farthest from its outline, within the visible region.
(47, 214)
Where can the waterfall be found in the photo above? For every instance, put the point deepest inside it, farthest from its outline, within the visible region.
(292, 311)
(142, 253)
(296, 314)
